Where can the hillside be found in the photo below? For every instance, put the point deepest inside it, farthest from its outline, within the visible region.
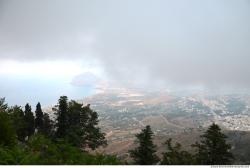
(123, 113)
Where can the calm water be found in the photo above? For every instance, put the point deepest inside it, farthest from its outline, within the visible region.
(20, 90)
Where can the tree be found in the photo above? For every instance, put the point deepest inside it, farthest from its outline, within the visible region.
(62, 117)
(144, 154)
(3, 105)
(13, 155)
(74, 131)
(47, 126)
(7, 131)
(83, 130)
(40, 150)
(213, 149)
(92, 135)
(39, 118)
(18, 121)
(78, 125)
(29, 120)
(175, 156)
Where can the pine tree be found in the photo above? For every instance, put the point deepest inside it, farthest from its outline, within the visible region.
(74, 131)
(3, 105)
(47, 126)
(83, 130)
(78, 125)
(62, 117)
(17, 117)
(175, 156)
(39, 118)
(213, 149)
(92, 136)
(7, 131)
(29, 120)
(144, 154)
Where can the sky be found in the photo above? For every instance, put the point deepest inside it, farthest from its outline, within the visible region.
(50, 48)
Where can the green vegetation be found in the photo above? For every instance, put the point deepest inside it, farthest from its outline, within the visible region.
(29, 120)
(77, 124)
(174, 155)
(39, 118)
(144, 154)
(7, 136)
(17, 117)
(43, 151)
(29, 140)
(213, 149)
(26, 139)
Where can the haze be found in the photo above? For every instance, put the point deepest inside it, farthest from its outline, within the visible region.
(50, 48)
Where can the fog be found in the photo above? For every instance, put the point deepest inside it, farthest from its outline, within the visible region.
(149, 43)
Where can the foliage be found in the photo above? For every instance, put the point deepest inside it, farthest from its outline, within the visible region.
(76, 131)
(3, 105)
(78, 124)
(175, 155)
(18, 121)
(15, 155)
(62, 117)
(48, 126)
(7, 131)
(42, 151)
(213, 149)
(92, 136)
(29, 120)
(144, 154)
(39, 118)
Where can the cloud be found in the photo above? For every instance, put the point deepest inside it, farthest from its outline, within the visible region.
(146, 42)
(85, 79)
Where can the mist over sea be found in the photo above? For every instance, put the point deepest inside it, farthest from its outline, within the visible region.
(19, 90)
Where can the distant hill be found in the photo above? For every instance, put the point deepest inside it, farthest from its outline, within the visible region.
(124, 112)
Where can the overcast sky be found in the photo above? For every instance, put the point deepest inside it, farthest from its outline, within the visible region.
(150, 43)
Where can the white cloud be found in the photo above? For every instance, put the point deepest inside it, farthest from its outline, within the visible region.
(205, 43)
(44, 68)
